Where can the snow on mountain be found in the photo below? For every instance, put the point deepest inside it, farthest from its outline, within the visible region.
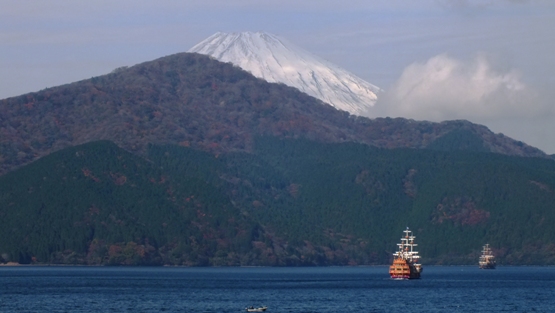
(274, 59)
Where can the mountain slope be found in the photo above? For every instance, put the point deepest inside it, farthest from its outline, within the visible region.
(99, 204)
(276, 60)
(288, 202)
(196, 101)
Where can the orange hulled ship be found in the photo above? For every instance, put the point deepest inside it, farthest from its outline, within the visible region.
(405, 263)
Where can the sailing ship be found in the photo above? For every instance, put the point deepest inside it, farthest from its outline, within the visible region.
(405, 262)
(487, 259)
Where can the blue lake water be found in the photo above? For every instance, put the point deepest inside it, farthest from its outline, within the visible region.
(328, 289)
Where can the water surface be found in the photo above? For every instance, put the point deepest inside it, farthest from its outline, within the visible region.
(327, 289)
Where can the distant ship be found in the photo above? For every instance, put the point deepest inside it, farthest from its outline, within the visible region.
(487, 259)
(405, 263)
(253, 309)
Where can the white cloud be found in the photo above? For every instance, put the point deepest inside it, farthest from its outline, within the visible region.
(446, 88)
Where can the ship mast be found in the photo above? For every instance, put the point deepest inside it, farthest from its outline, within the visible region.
(406, 247)
(487, 259)
(487, 250)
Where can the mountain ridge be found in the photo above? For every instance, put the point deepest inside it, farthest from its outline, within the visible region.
(194, 100)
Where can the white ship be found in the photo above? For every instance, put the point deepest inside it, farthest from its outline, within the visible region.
(487, 259)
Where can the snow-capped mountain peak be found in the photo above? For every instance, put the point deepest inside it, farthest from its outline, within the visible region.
(274, 59)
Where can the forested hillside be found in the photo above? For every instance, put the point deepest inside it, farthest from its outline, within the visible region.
(286, 202)
(193, 100)
(98, 204)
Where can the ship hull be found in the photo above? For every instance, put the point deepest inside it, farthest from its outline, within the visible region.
(401, 270)
(405, 277)
(487, 266)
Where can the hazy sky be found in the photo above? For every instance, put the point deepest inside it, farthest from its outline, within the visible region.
(488, 61)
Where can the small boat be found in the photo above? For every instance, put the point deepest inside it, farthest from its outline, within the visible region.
(487, 259)
(405, 262)
(253, 309)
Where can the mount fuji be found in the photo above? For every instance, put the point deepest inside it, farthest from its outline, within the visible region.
(274, 59)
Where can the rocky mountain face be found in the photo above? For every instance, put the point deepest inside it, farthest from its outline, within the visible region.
(276, 60)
